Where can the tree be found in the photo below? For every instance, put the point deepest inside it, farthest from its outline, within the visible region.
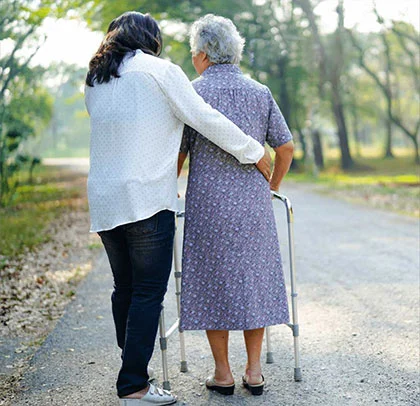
(406, 119)
(331, 71)
(26, 114)
(314, 76)
(25, 106)
(68, 130)
(275, 45)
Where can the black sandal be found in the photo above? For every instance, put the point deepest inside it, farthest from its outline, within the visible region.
(256, 389)
(220, 388)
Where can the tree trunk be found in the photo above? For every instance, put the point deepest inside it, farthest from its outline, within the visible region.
(338, 111)
(416, 150)
(3, 169)
(284, 94)
(356, 130)
(388, 142)
(317, 146)
(285, 104)
(302, 142)
(389, 98)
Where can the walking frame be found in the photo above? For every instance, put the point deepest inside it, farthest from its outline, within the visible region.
(294, 326)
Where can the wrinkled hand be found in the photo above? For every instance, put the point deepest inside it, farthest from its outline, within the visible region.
(264, 165)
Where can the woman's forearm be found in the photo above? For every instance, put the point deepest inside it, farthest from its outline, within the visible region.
(181, 159)
(282, 162)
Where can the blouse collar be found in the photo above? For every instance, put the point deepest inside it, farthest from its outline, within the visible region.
(223, 68)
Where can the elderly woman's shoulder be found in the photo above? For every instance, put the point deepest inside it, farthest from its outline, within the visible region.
(199, 82)
(256, 86)
(252, 82)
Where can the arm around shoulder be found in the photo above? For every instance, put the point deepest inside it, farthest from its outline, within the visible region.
(192, 110)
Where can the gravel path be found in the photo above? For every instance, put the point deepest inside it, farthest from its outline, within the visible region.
(358, 284)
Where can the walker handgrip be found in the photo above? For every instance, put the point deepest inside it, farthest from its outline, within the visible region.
(287, 203)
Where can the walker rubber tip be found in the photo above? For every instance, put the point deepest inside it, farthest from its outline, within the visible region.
(298, 375)
(166, 385)
(270, 358)
(184, 366)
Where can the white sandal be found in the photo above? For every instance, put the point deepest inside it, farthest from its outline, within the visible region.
(154, 396)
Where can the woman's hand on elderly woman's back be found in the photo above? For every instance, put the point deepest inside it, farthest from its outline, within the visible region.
(264, 165)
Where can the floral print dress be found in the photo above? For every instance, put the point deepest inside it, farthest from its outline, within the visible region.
(232, 271)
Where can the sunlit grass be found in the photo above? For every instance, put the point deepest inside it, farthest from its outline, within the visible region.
(367, 170)
(23, 223)
(390, 184)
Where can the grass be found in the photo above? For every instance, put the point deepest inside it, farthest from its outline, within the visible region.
(23, 224)
(94, 246)
(391, 184)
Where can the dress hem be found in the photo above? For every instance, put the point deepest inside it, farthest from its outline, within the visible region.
(251, 327)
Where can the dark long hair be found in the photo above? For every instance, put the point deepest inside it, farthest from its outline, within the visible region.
(127, 33)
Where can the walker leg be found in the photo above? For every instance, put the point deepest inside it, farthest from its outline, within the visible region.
(184, 365)
(163, 348)
(297, 371)
(178, 276)
(295, 323)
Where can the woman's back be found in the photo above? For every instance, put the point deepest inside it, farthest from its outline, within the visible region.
(131, 119)
(244, 101)
(232, 277)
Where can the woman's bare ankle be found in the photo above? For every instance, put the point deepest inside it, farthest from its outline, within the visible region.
(137, 395)
(223, 375)
(253, 374)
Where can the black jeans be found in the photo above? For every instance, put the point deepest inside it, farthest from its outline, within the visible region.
(140, 255)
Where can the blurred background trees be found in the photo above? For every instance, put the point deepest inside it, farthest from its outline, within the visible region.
(327, 84)
(26, 103)
(345, 93)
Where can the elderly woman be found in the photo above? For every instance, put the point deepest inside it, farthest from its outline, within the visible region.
(232, 272)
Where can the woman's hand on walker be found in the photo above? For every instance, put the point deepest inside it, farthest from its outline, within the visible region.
(264, 165)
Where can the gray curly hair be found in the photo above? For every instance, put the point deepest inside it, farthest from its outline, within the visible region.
(218, 38)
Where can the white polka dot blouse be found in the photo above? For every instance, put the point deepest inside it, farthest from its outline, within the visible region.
(137, 122)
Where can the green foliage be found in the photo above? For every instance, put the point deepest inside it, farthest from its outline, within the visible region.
(276, 51)
(282, 52)
(25, 104)
(27, 112)
(61, 138)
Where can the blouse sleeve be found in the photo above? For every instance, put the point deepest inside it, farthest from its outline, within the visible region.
(192, 110)
(186, 139)
(278, 132)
